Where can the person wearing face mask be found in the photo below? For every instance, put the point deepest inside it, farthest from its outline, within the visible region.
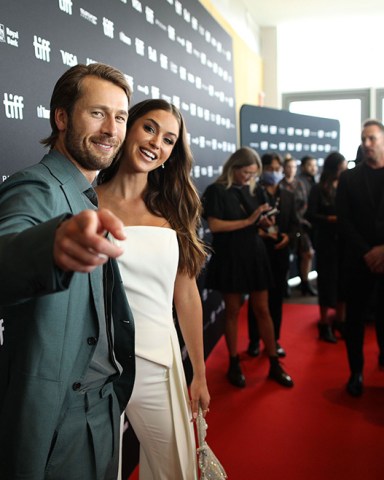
(278, 235)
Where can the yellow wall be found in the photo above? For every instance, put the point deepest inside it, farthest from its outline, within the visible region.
(246, 63)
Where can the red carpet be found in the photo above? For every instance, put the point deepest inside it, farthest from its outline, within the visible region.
(315, 430)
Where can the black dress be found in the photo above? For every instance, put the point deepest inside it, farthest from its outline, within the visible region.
(239, 262)
(327, 245)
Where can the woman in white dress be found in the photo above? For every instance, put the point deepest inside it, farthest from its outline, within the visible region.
(150, 189)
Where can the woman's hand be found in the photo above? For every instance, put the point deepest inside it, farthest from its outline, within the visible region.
(256, 215)
(199, 395)
(266, 222)
(283, 242)
(375, 259)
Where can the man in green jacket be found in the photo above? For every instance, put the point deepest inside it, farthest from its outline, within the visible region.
(67, 337)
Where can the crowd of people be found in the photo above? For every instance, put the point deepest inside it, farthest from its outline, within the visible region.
(333, 224)
(100, 254)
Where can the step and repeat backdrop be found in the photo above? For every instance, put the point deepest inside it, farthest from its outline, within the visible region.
(167, 49)
(269, 129)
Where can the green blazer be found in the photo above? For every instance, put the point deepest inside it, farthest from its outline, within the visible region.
(47, 316)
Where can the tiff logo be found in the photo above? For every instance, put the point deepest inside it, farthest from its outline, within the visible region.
(1, 331)
(42, 48)
(66, 6)
(13, 106)
(108, 27)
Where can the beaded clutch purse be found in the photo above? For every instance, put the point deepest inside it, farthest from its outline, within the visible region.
(210, 467)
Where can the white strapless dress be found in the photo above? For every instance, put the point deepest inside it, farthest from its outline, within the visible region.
(148, 268)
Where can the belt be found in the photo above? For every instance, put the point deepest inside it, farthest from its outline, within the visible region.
(89, 398)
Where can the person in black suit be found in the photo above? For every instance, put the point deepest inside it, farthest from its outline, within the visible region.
(360, 209)
(279, 235)
(305, 252)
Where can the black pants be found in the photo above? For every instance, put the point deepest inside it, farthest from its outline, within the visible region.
(363, 288)
(279, 260)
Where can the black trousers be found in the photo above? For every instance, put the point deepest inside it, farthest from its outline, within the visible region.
(364, 290)
(279, 260)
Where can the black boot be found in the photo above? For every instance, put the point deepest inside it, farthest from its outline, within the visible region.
(280, 350)
(325, 333)
(355, 385)
(277, 373)
(253, 348)
(234, 374)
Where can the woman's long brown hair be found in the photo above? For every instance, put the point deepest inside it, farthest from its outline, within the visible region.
(170, 192)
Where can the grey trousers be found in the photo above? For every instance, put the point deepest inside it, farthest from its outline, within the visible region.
(86, 443)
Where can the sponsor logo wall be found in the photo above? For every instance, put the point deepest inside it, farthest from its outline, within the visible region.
(268, 129)
(272, 130)
(166, 48)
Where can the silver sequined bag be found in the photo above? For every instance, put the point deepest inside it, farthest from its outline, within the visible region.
(210, 467)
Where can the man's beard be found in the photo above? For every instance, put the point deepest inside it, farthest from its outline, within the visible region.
(83, 155)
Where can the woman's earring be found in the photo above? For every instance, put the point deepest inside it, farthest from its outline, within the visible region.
(162, 165)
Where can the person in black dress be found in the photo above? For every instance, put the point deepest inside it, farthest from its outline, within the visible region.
(239, 262)
(321, 213)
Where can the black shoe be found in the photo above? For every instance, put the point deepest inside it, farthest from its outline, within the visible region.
(253, 349)
(307, 289)
(280, 350)
(234, 374)
(325, 333)
(277, 373)
(355, 385)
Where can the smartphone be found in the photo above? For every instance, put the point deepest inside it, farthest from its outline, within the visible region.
(271, 213)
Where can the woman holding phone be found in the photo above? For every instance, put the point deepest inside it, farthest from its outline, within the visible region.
(239, 262)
